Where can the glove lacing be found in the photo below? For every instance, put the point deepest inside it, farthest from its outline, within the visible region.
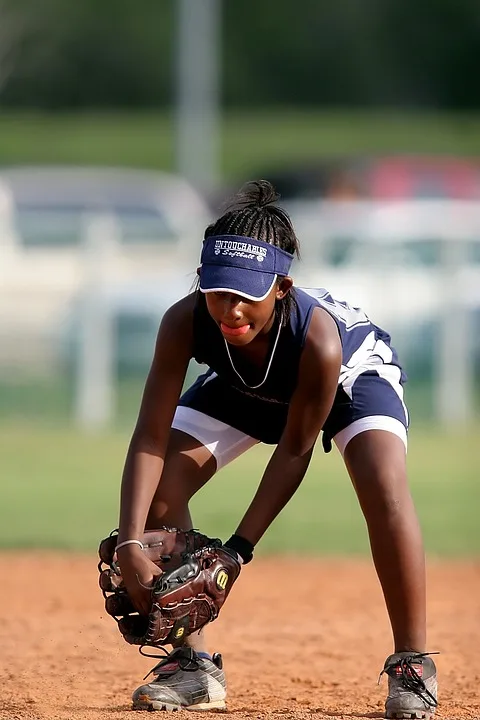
(411, 680)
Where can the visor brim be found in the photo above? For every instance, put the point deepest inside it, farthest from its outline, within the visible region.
(249, 284)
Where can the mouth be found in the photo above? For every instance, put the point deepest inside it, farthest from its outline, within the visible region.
(234, 331)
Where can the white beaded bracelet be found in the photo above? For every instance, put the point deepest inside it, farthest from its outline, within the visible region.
(129, 542)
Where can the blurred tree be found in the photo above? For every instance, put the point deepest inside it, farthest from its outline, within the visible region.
(441, 44)
(13, 28)
(118, 53)
(346, 52)
(92, 54)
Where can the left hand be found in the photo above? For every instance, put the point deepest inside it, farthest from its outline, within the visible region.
(186, 599)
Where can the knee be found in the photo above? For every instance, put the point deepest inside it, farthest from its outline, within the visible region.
(391, 505)
(172, 493)
(386, 495)
(169, 507)
(182, 477)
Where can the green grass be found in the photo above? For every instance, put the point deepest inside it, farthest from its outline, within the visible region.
(250, 141)
(60, 490)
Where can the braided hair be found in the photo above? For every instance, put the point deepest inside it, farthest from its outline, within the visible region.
(251, 213)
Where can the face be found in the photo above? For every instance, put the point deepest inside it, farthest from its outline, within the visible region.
(241, 320)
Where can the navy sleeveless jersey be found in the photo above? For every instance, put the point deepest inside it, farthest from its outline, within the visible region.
(261, 412)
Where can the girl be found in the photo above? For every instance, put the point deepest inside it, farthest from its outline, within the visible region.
(284, 364)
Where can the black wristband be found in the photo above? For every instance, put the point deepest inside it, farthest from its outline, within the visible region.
(243, 547)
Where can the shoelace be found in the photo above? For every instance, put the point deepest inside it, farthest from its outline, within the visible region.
(186, 660)
(411, 680)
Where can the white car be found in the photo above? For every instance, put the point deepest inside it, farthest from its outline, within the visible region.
(64, 228)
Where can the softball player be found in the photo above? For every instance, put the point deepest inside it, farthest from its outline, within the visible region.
(284, 365)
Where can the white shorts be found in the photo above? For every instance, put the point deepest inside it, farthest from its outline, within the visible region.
(226, 443)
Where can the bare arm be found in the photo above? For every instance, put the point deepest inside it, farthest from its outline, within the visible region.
(146, 452)
(311, 403)
(148, 446)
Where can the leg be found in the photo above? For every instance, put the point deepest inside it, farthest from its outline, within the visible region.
(376, 462)
(188, 466)
(189, 677)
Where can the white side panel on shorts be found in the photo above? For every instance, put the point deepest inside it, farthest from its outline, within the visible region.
(223, 441)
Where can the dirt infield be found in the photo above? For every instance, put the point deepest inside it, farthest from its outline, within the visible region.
(61, 656)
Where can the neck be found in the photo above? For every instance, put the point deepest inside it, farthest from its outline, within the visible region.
(256, 354)
(269, 325)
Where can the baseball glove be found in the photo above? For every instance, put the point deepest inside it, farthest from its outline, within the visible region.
(198, 573)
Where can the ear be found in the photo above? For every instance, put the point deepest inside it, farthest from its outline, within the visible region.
(284, 287)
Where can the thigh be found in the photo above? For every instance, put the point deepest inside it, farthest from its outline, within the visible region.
(219, 439)
(199, 445)
(188, 466)
(376, 463)
(376, 454)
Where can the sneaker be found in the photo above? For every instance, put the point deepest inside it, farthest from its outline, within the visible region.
(412, 685)
(184, 680)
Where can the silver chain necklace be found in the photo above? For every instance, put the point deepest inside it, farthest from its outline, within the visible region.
(254, 387)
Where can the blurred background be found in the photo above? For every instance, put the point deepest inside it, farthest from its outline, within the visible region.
(123, 128)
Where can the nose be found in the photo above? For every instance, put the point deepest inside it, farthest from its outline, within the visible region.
(232, 306)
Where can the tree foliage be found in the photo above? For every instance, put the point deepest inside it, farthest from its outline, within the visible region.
(61, 54)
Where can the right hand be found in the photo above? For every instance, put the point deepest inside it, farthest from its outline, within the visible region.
(138, 573)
